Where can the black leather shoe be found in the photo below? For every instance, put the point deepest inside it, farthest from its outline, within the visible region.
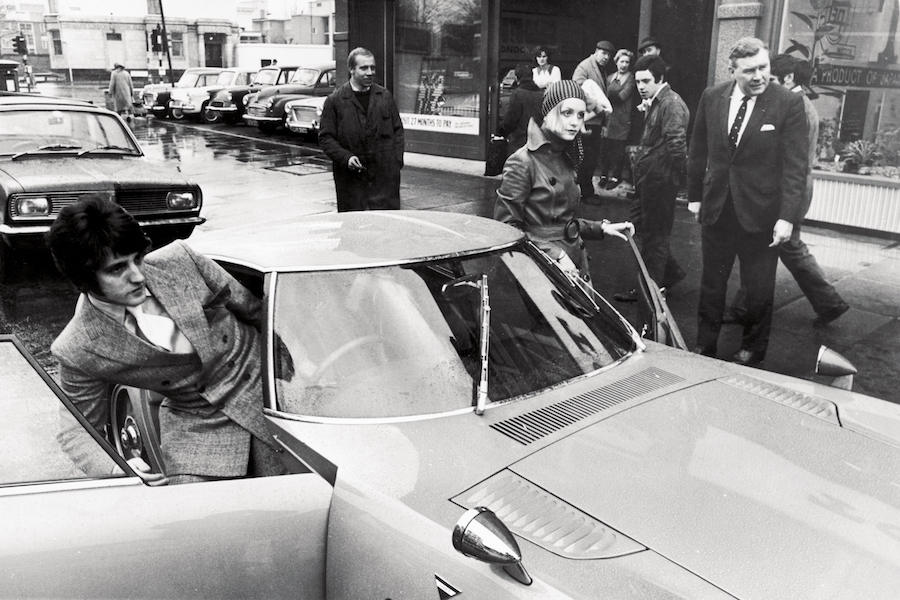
(827, 317)
(602, 181)
(629, 296)
(612, 184)
(748, 358)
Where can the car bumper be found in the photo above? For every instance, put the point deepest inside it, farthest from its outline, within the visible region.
(223, 108)
(11, 233)
(253, 119)
(187, 108)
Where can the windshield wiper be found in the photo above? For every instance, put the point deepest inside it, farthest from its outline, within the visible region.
(106, 148)
(47, 148)
(451, 289)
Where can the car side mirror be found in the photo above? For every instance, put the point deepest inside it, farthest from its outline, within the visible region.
(831, 364)
(481, 535)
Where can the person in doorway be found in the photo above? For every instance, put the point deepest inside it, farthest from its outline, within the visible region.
(121, 91)
(544, 73)
(171, 321)
(539, 193)
(659, 171)
(362, 134)
(747, 172)
(524, 105)
(593, 68)
(620, 91)
(794, 73)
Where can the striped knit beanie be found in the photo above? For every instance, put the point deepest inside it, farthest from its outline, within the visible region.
(558, 91)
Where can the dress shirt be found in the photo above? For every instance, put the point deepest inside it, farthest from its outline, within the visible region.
(118, 313)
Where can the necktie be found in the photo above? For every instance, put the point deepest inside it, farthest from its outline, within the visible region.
(157, 329)
(738, 120)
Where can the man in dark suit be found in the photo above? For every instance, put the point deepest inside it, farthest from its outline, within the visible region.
(747, 171)
(171, 321)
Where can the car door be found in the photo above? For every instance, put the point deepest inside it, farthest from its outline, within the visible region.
(656, 321)
(67, 534)
(325, 84)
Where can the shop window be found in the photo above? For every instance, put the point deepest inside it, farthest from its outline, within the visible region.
(438, 65)
(851, 48)
(113, 37)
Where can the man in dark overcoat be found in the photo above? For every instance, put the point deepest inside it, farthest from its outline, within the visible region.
(362, 134)
(747, 170)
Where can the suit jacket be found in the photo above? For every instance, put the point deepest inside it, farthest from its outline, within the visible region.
(213, 396)
(765, 175)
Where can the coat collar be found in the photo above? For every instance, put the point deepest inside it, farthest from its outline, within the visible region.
(536, 137)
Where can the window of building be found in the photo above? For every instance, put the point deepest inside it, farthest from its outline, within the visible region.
(56, 42)
(851, 48)
(438, 66)
(114, 36)
(176, 43)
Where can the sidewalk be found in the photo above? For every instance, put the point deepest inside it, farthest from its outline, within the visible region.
(864, 269)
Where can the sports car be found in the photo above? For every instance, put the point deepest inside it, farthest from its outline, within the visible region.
(464, 419)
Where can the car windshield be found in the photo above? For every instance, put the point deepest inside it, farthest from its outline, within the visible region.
(266, 77)
(187, 79)
(55, 130)
(305, 77)
(406, 340)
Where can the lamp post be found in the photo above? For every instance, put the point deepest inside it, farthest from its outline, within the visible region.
(165, 41)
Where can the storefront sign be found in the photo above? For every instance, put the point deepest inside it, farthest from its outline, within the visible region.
(464, 125)
(864, 77)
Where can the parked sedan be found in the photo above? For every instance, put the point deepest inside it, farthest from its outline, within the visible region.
(55, 151)
(231, 102)
(486, 427)
(157, 96)
(304, 115)
(193, 102)
(267, 110)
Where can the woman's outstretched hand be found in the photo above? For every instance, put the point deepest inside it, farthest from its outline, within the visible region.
(620, 230)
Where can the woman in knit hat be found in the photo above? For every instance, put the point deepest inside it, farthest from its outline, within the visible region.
(539, 191)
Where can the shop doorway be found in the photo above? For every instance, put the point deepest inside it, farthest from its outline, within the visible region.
(213, 44)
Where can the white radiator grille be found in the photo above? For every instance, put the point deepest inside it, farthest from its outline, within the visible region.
(854, 204)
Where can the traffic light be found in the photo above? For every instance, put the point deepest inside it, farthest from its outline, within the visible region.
(156, 40)
(20, 46)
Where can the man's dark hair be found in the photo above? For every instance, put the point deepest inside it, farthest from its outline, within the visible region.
(783, 65)
(351, 58)
(86, 233)
(655, 64)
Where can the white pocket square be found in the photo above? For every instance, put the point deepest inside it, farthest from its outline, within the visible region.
(767, 127)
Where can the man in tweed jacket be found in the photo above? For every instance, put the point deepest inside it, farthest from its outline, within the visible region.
(208, 366)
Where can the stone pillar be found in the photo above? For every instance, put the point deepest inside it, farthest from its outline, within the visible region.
(734, 19)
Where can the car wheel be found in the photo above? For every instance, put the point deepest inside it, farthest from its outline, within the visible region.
(177, 114)
(133, 427)
(160, 114)
(210, 116)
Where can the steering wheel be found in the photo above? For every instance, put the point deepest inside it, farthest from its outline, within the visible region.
(334, 355)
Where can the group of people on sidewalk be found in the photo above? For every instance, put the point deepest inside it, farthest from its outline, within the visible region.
(747, 171)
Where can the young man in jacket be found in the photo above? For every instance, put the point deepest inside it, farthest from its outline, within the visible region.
(171, 321)
(362, 134)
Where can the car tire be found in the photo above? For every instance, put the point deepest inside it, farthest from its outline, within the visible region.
(210, 116)
(161, 114)
(133, 428)
(177, 114)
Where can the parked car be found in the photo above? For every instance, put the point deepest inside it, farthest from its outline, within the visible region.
(464, 419)
(267, 111)
(157, 96)
(54, 151)
(193, 102)
(230, 103)
(304, 114)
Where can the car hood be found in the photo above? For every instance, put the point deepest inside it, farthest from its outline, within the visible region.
(69, 173)
(285, 90)
(762, 499)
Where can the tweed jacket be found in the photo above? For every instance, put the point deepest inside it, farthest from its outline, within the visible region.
(213, 396)
(663, 148)
(765, 175)
(589, 69)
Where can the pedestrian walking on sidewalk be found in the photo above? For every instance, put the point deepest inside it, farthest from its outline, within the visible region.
(362, 134)
(659, 171)
(539, 192)
(593, 68)
(121, 91)
(747, 171)
(793, 74)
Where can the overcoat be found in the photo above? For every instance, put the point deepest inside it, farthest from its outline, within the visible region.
(766, 174)
(375, 136)
(524, 105)
(121, 90)
(213, 396)
(620, 94)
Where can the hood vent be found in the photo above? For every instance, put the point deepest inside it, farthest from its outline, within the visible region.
(543, 519)
(817, 407)
(539, 423)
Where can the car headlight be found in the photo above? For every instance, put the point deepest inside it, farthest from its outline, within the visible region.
(319, 111)
(33, 207)
(181, 200)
